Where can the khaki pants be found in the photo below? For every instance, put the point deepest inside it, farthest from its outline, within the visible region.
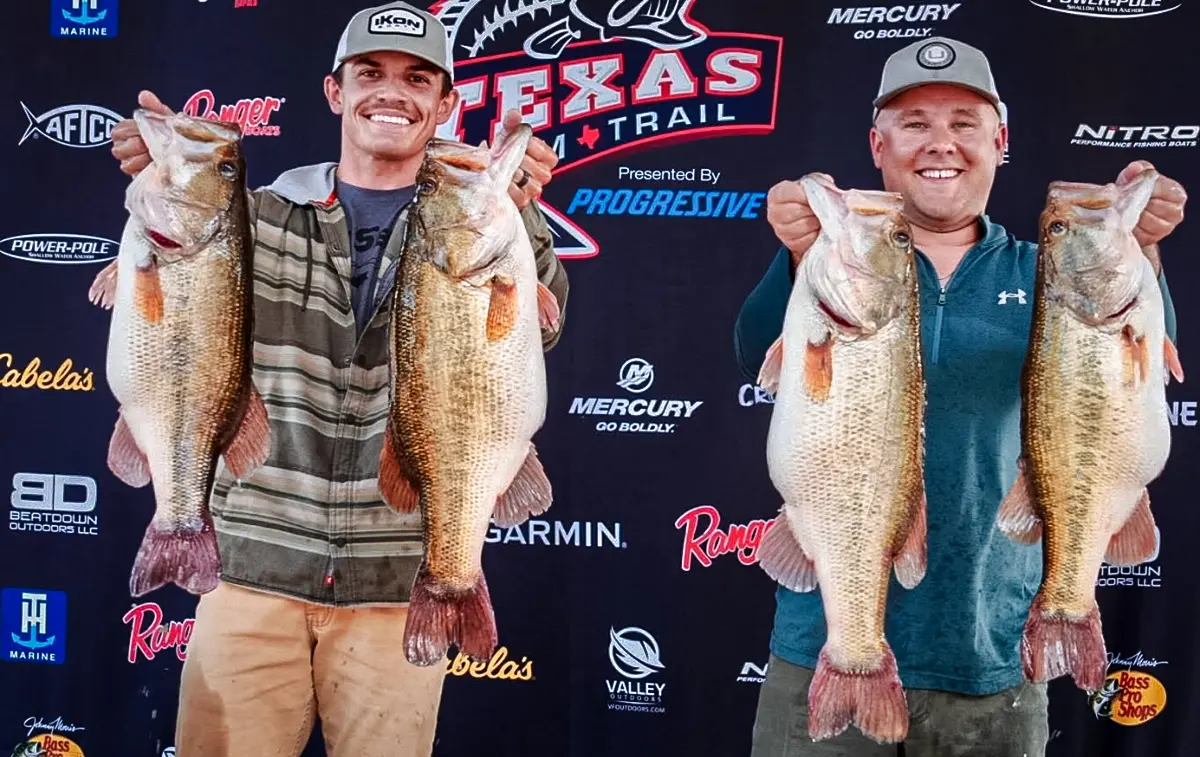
(1011, 723)
(260, 667)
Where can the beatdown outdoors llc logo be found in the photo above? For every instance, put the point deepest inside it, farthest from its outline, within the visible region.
(635, 376)
(597, 78)
(633, 652)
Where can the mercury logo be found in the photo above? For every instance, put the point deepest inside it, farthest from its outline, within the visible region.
(899, 21)
(635, 375)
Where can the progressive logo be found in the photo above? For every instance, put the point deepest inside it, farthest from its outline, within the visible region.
(597, 79)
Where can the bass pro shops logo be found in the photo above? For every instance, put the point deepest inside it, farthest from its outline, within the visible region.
(597, 77)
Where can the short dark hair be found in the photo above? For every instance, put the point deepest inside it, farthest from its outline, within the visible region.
(446, 85)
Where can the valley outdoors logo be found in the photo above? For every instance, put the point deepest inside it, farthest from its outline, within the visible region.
(596, 79)
(1117, 9)
(633, 652)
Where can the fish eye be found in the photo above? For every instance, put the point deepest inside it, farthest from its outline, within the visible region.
(426, 187)
(1058, 228)
(901, 238)
(227, 169)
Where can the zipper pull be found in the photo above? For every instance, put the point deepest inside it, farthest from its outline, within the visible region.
(942, 297)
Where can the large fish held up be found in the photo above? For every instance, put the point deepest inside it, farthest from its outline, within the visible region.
(180, 342)
(1094, 424)
(845, 449)
(468, 386)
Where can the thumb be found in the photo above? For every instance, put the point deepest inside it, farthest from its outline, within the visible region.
(150, 101)
(512, 119)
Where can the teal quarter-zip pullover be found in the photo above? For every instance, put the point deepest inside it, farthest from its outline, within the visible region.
(960, 629)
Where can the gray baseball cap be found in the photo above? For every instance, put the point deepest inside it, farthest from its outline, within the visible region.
(396, 27)
(937, 60)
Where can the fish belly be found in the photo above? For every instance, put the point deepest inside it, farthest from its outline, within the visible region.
(473, 407)
(848, 470)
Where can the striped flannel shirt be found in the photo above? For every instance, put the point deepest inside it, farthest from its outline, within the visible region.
(310, 523)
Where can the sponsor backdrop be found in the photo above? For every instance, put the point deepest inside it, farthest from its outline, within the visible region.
(633, 618)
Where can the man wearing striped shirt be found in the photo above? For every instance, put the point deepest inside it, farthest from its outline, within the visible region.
(316, 568)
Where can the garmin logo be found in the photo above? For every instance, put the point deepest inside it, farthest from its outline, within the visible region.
(397, 21)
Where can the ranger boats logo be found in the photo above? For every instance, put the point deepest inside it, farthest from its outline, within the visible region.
(606, 76)
(635, 376)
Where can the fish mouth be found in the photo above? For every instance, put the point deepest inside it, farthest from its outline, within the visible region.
(1117, 315)
(162, 240)
(839, 320)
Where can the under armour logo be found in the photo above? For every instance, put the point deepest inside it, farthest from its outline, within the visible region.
(1004, 297)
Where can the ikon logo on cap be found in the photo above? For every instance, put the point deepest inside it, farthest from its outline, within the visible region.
(396, 21)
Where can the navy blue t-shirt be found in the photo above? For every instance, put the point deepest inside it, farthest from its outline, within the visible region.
(370, 216)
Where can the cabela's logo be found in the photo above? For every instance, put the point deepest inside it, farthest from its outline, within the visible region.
(14, 376)
(498, 668)
(607, 75)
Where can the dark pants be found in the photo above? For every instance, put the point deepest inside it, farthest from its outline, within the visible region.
(1012, 723)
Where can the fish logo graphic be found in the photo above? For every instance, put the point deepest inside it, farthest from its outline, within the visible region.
(594, 78)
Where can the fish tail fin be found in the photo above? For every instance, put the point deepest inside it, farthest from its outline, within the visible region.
(184, 555)
(873, 700)
(529, 494)
(439, 617)
(1056, 645)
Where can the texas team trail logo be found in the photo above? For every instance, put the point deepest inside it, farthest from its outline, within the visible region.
(598, 77)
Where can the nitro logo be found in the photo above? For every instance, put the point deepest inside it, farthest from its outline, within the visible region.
(1109, 8)
(1136, 136)
(53, 503)
(252, 116)
(61, 249)
(634, 654)
(752, 673)
(396, 21)
(76, 125)
(635, 376)
(33, 626)
(148, 636)
(901, 21)
(704, 541)
(616, 75)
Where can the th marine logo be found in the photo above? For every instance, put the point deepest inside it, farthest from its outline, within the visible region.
(597, 77)
(935, 55)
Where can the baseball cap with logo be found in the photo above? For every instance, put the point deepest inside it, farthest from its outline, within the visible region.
(937, 60)
(396, 27)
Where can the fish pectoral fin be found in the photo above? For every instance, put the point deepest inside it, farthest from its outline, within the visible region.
(768, 374)
(147, 293)
(1171, 356)
(529, 494)
(783, 559)
(125, 458)
(1017, 518)
(911, 560)
(397, 490)
(1136, 541)
(548, 311)
(818, 368)
(104, 287)
(1136, 357)
(502, 311)
(251, 445)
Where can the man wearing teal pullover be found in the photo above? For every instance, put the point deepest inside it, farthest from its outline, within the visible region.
(937, 138)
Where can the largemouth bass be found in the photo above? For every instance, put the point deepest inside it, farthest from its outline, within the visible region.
(180, 342)
(845, 450)
(1095, 429)
(468, 387)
